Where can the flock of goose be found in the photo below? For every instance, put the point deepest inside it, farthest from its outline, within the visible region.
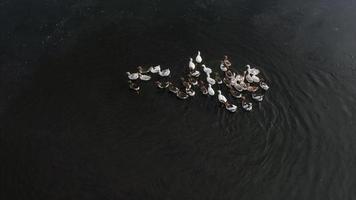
(247, 86)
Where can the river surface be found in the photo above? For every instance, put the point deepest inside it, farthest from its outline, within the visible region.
(71, 129)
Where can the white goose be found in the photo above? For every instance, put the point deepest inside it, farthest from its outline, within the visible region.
(165, 72)
(223, 67)
(191, 65)
(198, 59)
(195, 73)
(145, 77)
(230, 107)
(252, 71)
(264, 86)
(210, 80)
(246, 105)
(249, 78)
(221, 97)
(132, 76)
(155, 70)
(206, 69)
(257, 97)
(211, 91)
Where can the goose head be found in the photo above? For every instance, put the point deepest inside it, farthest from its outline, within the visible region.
(219, 91)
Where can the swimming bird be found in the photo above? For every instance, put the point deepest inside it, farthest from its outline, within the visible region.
(195, 73)
(252, 88)
(190, 92)
(240, 77)
(145, 77)
(264, 85)
(252, 71)
(132, 76)
(191, 64)
(165, 72)
(156, 69)
(246, 105)
(230, 107)
(210, 80)
(257, 97)
(226, 61)
(192, 81)
(217, 78)
(221, 97)
(162, 85)
(182, 95)
(223, 67)
(133, 86)
(203, 88)
(252, 78)
(235, 93)
(142, 70)
(185, 83)
(172, 88)
(211, 91)
(198, 59)
(206, 69)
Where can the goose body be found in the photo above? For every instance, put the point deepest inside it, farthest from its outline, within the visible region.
(173, 88)
(132, 76)
(251, 88)
(211, 91)
(247, 105)
(142, 70)
(198, 59)
(193, 81)
(239, 86)
(186, 84)
(230, 107)
(252, 71)
(133, 86)
(257, 97)
(190, 92)
(191, 65)
(223, 67)
(195, 73)
(165, 72)
(221, 97)
(218, 79)
(226, 61)
(162, 85)
(182, 95)
(156, 69)
(249, 78)
(264, 86)
(210, 80)
(145, 77)
(206, 69)
(235, 93)
(203, 89)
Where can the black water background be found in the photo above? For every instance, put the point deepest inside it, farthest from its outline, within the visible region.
(70, 129)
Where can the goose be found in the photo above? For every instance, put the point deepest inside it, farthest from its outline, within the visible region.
(206, 69)
(249, 78)
(210, 80)
(264, 85)
(195, 73)
(227, 81)
(162, 84)
(203, 88)
(132, 76)
(142, 70)
(133, 86)
(255, 79)
(230, 107)
(223, 67)
(182, 95)
(156, 69)
(218, 79)
(226, 61)
(145, 77)
(211, 91)
(257, 97)
(193, 81)
(239, 87)
(172, 88)
(191, 64)
(235, 93)
(252, 71)
(240, 77)
(246, 105)
(229, 74)
(164, 72)
(185, 83)
(190, 92)
(221, 97)
(252, 88)
(198, 59)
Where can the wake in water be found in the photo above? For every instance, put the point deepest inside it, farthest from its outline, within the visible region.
(245, 87)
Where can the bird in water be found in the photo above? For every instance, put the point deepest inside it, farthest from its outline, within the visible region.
(246, 105)
(226, 62)
(172, 88)
(223, 67)
(142, 70)
(191, 64)
(192, 81)
(185, 83)
(165, 72)
(218, 79)
(252, 71)
(203, 88)
(221, 97)
(133, 86)
(230, 107)
(206, 69)
(195, 73)
(211, 91)
(251, 88)
(257, 97)
(235, 93)
(162, 85)
(144, 77)
(155, 70)
(210, 80)
(182, 95)
(190, 92)
(132, 76)
(198, 59)
(264, 85)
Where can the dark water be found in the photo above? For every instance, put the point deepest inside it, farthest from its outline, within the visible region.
(70, 129)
